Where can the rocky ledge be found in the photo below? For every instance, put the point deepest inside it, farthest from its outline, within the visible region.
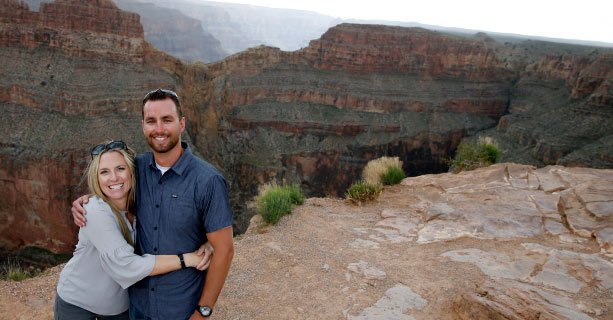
(504, 242)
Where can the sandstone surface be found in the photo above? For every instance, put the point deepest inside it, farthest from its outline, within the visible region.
(410, 256)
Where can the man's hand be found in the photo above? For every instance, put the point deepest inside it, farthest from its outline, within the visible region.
(206, 250)
(78, 212)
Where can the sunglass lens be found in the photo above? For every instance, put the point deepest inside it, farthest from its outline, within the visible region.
(110, 146)
(161, 92)
(98, 149)
(116, 145)
(170, 92)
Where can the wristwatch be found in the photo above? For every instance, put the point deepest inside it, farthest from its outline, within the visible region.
(204, 311)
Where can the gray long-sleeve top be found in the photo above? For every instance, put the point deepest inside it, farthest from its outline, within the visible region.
(104, 265)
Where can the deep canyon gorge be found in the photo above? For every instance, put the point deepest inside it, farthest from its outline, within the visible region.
(74, 72)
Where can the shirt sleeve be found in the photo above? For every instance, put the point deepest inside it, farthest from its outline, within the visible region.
(116, 255)
(216, 210)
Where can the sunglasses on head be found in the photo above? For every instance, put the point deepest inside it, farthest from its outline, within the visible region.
(108, 146)
(160, 93)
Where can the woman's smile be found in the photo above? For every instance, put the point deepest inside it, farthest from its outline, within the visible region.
(114, 177)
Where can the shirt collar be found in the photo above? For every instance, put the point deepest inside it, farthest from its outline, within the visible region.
(181, 164)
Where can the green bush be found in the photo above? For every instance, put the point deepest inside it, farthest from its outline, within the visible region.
(490, 152)
(473, 155)
(363, 191)
(392, 175)
(296, 197)
(275, 201)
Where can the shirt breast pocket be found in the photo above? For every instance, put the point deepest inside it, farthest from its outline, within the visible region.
(185, 211)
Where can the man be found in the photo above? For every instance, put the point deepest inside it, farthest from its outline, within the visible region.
(182, 202)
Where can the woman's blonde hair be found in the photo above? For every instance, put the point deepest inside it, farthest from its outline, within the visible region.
(91, 174)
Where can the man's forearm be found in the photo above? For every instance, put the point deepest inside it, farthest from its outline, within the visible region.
(222, 242)
(216, 276)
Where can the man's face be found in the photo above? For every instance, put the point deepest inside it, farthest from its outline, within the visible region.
(161, 125)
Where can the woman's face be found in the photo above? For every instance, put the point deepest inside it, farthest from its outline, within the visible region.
(114, 177)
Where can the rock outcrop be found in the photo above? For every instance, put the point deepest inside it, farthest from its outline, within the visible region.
(504, 242)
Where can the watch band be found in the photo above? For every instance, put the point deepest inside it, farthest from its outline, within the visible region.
(180, 255)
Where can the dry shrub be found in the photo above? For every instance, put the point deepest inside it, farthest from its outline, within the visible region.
(376, 168)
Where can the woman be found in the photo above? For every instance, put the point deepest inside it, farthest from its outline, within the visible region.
(94, 283)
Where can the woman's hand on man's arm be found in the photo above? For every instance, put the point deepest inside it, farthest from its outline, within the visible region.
(201, 258)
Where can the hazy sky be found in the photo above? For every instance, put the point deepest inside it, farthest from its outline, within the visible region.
(580, 19)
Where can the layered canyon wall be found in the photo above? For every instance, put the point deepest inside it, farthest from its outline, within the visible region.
(317, 115)
(73, 74)
(313, 117)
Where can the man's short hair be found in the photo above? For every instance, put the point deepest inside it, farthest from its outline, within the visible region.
(162, 94)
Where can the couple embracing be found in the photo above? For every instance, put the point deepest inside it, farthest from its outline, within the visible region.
(157, 242)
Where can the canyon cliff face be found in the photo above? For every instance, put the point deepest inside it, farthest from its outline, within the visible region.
(317, 115)
(561, 112)
(313, 117)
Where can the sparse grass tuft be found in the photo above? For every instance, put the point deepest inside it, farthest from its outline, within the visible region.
(473, 155)
(12, 270)
(276, 201)
(363, 191)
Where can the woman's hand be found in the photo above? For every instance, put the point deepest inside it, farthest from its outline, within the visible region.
(78, 212)
(201, 258)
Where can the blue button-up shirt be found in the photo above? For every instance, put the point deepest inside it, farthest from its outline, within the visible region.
(175, 211)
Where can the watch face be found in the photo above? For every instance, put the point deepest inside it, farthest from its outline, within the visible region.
(205, 311)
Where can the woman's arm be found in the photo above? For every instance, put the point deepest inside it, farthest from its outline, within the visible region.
(168, 263)
(117, 257)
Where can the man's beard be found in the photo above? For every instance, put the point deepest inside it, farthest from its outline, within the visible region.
(170, 144)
